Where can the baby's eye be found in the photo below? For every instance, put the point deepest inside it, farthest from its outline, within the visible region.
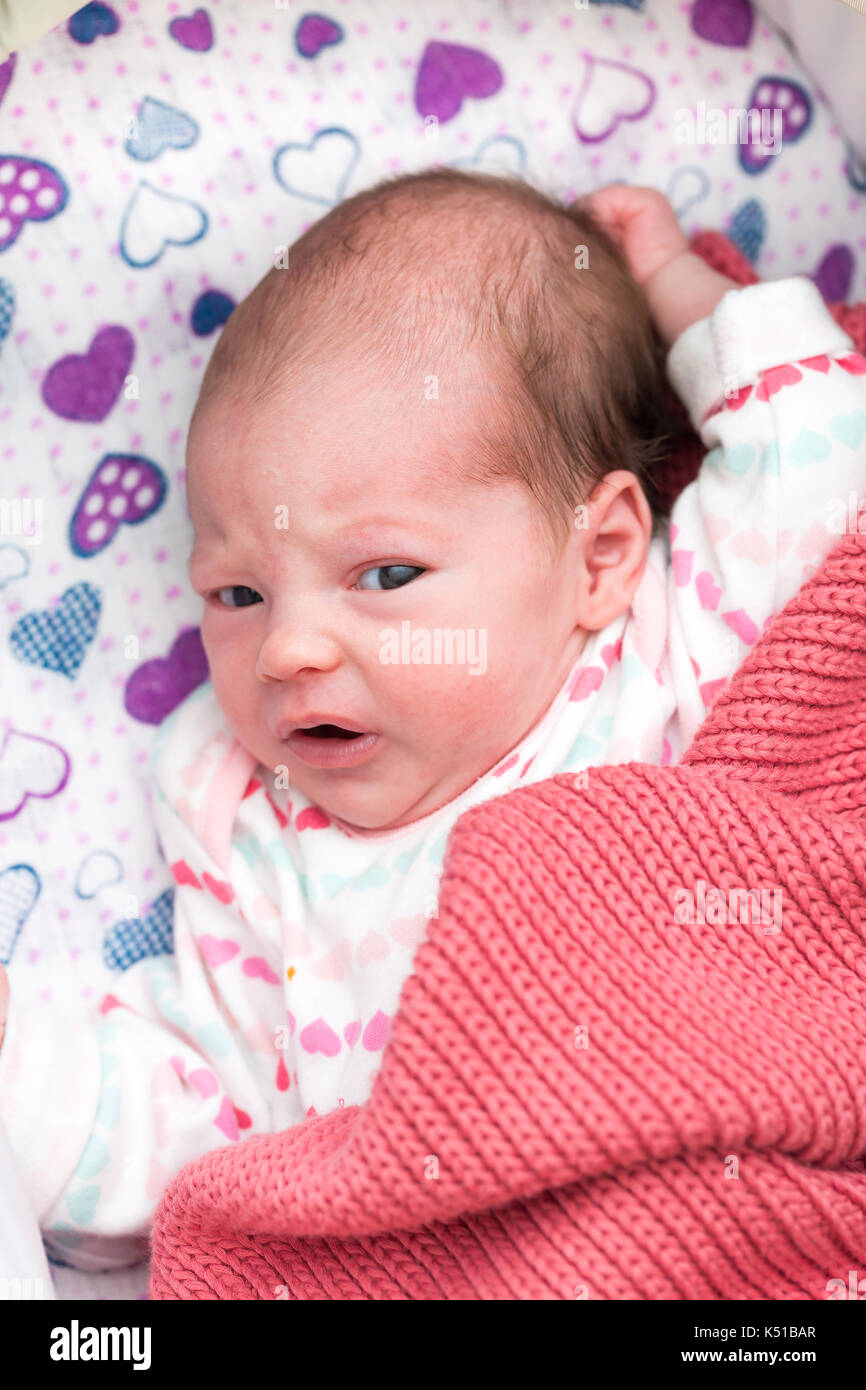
(393, 576)
(235, 588)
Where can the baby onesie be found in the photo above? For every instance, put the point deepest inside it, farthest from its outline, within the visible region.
(294, 934)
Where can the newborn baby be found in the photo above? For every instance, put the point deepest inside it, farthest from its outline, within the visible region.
(420, 480)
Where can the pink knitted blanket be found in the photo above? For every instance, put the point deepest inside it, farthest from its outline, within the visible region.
(597, 1086)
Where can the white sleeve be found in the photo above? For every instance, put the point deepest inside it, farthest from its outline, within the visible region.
(778, 395)
(100, 1116)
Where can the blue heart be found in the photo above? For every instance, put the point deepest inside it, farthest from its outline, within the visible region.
(210, 311)
(855, 170)
(770, 459)
(214, 1039)
(404, 861)
(155, 220)
(747, 229)
(700, 188)
(739, 459)
(340, 148)
(20, 886)
(849, 429)
(94, 1158)
(436, 852)
(108, 1111)
(160, 127)
(81, 1205)
(631, 668)
(87, 24)
(374, 877)
(809, 447)
(499, 147)
(7, 305)
(133, 939)
(58, 641)
(584, 747)
(333, 884)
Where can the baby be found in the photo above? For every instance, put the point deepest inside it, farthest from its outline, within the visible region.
(420, 480)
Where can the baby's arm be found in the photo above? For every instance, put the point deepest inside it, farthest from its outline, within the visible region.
(100, 1116)
(680, 287)
(778, 396)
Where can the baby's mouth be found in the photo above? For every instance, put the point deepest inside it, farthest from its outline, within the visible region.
(329, 731)
(327, 745)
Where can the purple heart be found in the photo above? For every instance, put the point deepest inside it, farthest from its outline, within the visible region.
(42, 196)
(193, 31)
(835, 273)
(6, 71)
(316, 32)
(124, 489)
(448, 73)
(772, 94)
(724, 21)
(86, 388)
(158, 686)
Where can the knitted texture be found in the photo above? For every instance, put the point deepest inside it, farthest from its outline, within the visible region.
(583, 1095)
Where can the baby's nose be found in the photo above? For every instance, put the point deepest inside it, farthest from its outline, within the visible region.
(295, 643)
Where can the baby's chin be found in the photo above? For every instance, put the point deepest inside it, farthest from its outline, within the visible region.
(375, 804)
(374, 809)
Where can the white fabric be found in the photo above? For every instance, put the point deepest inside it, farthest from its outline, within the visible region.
(830, 39)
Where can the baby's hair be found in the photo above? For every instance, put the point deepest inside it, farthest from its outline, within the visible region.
(423, 267)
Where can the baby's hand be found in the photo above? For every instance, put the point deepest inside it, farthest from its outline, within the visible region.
(4, 999)
(679, 286)
(642, 222)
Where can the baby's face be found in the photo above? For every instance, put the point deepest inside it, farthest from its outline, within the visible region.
(334, 541)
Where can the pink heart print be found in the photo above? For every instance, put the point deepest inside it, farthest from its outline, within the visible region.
(709, 592)
(216, 950)
(311, 818)
(586, 680)
(257, 968)
(30, 191)
(319, 1037)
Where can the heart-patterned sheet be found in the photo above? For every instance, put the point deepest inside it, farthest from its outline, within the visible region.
(152, 159)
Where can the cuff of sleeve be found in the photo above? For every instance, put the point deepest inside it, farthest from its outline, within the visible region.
(749, 331)
(50, 1078)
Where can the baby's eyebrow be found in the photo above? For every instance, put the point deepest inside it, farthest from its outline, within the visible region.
(362, 525)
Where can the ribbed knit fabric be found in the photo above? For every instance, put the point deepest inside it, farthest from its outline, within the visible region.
(581, 1095)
